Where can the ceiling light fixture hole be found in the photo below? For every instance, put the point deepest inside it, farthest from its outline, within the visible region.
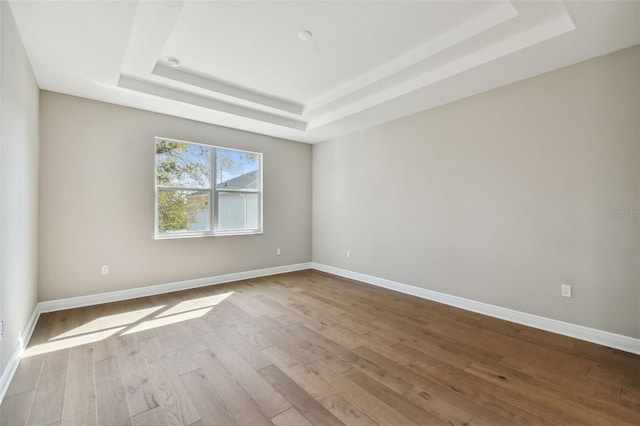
(174, 62)
(305, 35)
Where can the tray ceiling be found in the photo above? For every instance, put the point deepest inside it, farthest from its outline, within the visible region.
(242, 64)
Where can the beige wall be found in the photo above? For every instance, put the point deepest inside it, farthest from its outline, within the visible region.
(499, 198)
(18, 186)
(97, 201)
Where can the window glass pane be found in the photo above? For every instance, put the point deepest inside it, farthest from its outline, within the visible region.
(238, 211)
(183, 211)
(182, 164)
(236, 169)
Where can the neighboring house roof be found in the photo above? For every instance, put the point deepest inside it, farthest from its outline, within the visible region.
(245, 181)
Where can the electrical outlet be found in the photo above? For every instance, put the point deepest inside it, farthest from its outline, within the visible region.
(565, 290)
(278, 252)
(348, 254)
(104, 270)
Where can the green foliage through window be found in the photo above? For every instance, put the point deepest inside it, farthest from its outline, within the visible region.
(184, 188)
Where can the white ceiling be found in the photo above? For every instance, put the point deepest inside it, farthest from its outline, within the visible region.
(243, 66)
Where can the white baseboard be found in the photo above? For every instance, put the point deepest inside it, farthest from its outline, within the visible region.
(617, 341)
(605, 338)
(14, 360)
(116, 296)
(9, 371)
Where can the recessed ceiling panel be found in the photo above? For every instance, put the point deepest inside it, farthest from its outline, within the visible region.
(242, 64)
(256, 46)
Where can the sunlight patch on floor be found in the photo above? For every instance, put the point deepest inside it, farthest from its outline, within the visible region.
(163, 321)
(109, 321)
(193, 304)
(56, 345)
(183, 311)
(130, 322)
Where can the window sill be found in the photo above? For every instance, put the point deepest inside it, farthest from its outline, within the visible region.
(201, 235)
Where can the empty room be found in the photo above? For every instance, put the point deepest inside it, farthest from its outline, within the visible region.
(319, 213)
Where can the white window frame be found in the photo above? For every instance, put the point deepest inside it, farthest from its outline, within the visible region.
(213, 197)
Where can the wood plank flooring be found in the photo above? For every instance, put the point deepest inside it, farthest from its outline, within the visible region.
(308, 348)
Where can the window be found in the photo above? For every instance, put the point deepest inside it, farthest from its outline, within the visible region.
(206, 190)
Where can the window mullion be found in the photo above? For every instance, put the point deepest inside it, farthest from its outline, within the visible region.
(239, 191)
(225, 222)
(214, 193)
(181, 188)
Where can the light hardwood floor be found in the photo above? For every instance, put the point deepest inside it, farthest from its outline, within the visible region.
(310, 348)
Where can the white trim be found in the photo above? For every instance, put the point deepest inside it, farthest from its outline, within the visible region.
(219, 86)
(14, 360)
(612, 340)
(116, 296)
(605, 338)
(214, 195)
(9, 371)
